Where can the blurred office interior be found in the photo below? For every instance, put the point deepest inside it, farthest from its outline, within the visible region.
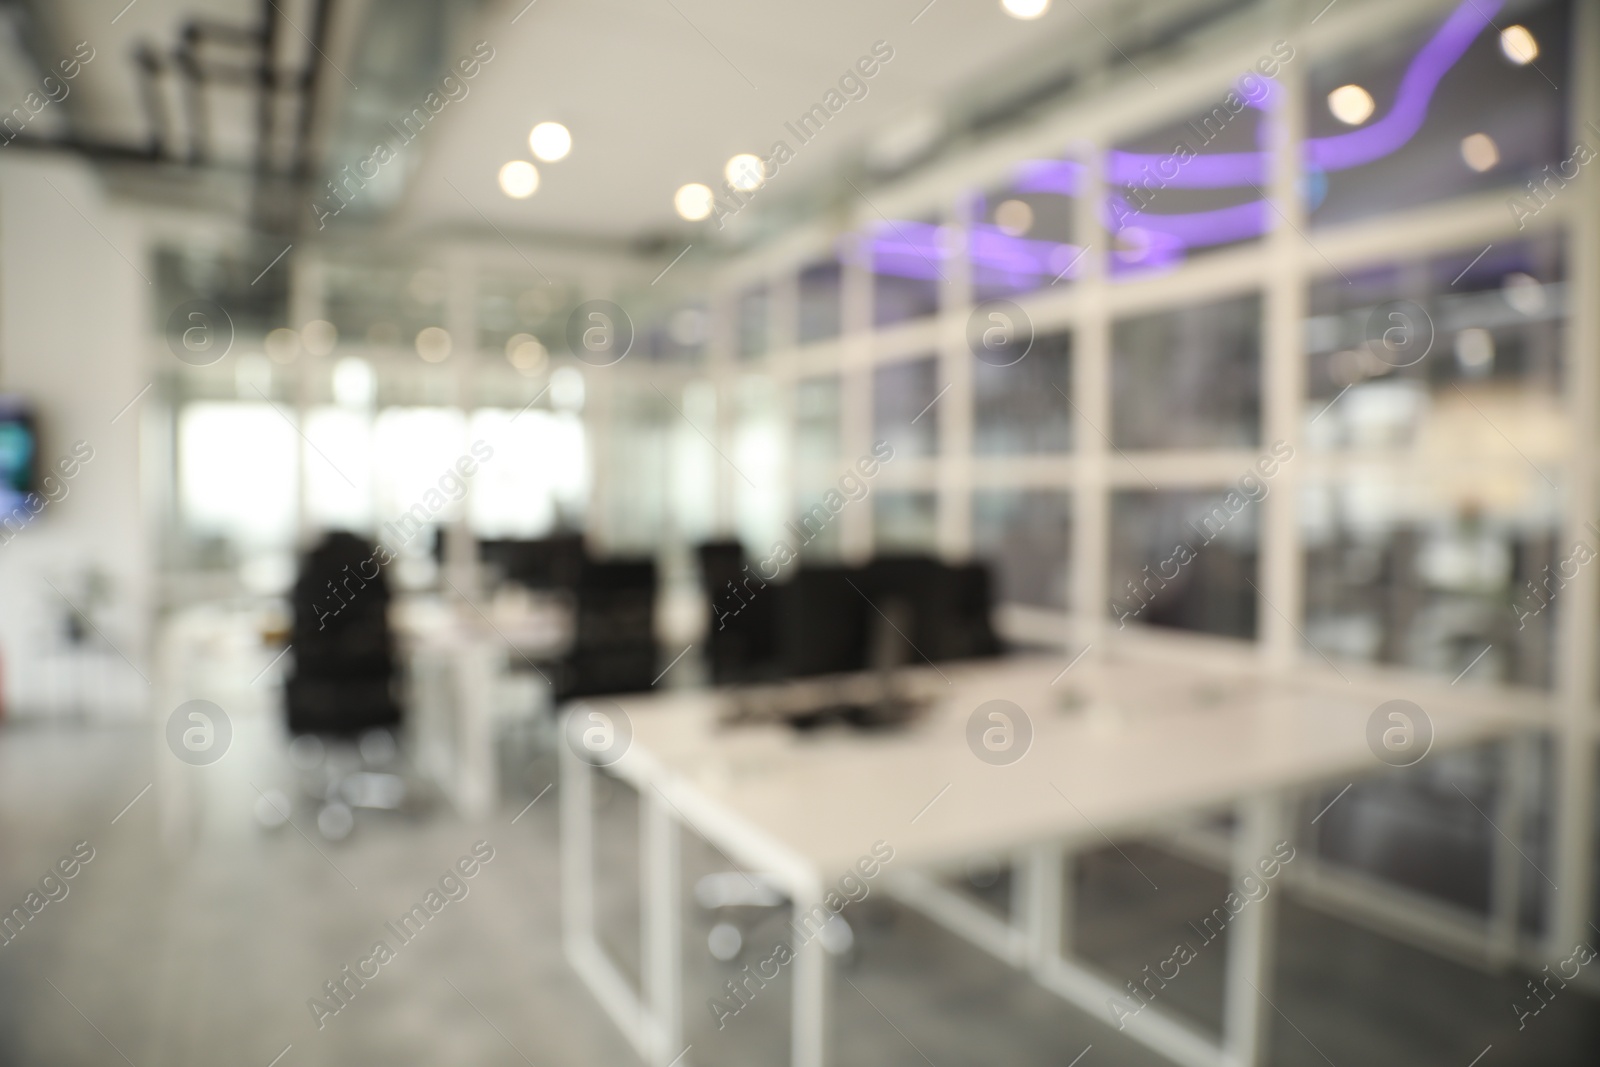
(592, 471)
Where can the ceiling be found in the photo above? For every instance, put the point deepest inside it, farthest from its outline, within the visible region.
(657, 93)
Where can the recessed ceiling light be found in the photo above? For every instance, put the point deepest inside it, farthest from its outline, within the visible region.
(519, 179)
(550, 141)
(1351, 104)
(745, 172)
(1480, 152)
(693, 201)
(1025, 9)
(1013, 217)
(1518, 45)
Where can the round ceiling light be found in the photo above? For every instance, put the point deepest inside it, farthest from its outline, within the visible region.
(1351, 104)
(1013, 217)
(1519, 45)
(1025, 9)
(745, 172)
(519, 179)
(550, 141)
(693, 201)
(1480, 152)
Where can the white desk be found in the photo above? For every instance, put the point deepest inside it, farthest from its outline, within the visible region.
(1143, 743)
(456, 658)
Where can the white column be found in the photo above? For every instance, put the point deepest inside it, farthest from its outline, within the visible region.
(1091, 397)
(1579, 615)
(855, 394)
(305, 304)
(461, 323)
(1283, 378)
(955, 408)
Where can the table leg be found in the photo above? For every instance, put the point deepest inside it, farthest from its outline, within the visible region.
(809, 1040)
(1039, 899)
(1252, 936)
(577, 850)
(662, 923)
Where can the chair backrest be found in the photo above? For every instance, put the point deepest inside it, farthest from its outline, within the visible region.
(939, 609)
(340, 604)
(614, 649)
(546, 563)
(822, 627)
(616, 602)
(742, 637)
(344, 659)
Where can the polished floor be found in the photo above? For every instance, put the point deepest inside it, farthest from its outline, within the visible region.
(196, 937)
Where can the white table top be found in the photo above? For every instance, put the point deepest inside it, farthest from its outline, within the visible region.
(1120, 745)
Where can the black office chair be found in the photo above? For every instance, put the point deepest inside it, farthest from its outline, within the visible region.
(614, 644)
(742, 624)
(823, 625)
(341, 710)
(941, 611)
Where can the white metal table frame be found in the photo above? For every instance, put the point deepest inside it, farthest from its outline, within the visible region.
(1035, 938)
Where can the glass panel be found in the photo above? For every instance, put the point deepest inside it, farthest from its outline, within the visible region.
(1021, 235)
(1193, 184)
(636, 498)
(255, 302)
(339, 469)
(1023, 408)
(537, 478)
(902, 394)
(1188, 378)
(413, 449)
(814, 529)
(384, 305)
(906, 259)
(905, 522)
(819, 301)
(1458, 354)
(692, 463)
(1185, 559)
(1442, 112)
(754, 313)
(758, 450)
(521, 307)
(1024, 535)
(816, 419)
(679, 336)
(237, 473)
(1431, 572)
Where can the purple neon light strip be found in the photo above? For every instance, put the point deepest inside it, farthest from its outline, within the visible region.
(1340, 151)
(1168, 235)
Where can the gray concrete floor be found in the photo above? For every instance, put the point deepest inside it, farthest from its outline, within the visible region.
(196, 937)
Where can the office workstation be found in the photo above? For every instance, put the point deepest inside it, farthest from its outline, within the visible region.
(1011, 531)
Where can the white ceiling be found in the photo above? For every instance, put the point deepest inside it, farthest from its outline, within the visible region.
(658, 93)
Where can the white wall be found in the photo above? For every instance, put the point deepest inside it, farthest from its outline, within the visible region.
(73, 328)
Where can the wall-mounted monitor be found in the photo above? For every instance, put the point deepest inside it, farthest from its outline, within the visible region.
(19, 454)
